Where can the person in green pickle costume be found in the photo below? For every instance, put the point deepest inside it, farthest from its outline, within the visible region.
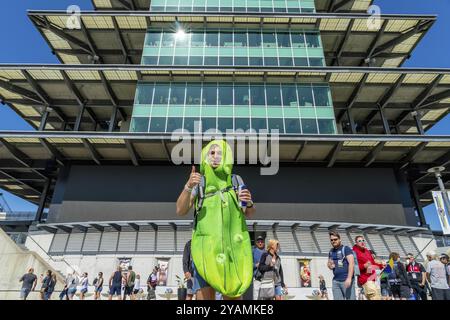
(221, 248)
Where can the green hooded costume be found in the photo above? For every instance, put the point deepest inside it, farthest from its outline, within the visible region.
(221, 247)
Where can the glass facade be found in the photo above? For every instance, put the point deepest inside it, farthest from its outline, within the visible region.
(290, 108)
(276, 6)
(233, 47)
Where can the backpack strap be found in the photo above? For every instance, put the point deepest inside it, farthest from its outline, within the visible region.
(200, 199)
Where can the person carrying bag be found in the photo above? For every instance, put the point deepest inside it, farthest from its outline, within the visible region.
(271, 273)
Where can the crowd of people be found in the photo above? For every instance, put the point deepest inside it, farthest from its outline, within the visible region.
(354, 269)
(378, 279)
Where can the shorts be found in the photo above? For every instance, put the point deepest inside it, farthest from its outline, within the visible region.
(385, 290)
(47, 295)
(135, 291)
(399, 291)
(71, 291)
(323, 291)
(84, 290)
(98, 289)
(24, 292)
(278, 290)
(189, 285)
(129, 290)
(198, 281)
(115, 290)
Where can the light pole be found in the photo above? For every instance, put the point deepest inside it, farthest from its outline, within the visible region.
(437, 173)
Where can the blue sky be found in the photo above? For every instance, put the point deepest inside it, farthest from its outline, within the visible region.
(23, 44)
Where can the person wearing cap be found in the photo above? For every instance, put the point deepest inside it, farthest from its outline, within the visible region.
(444, 259)
(258, 250)
(437, 276)
(417, 277)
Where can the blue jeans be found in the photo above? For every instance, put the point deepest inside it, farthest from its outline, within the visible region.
(341, 293)
(48, 295)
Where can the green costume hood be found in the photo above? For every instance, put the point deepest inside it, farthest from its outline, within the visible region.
(220, 246)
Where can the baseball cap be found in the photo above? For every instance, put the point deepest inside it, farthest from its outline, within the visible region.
(443, 255)
(259, 238)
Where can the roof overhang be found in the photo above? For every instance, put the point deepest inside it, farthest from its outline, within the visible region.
(28, 159)
(118, 37)
(252, 224)
(60, 92)
(321, 5)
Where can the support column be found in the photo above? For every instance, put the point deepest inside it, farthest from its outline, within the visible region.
(351, 121)
(386, 127)
(43, 200)
(418, 121)
(417, 203)
(79, 118)
(44, 119)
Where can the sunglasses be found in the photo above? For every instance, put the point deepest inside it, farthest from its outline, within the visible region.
(333, 240)
(361, 241)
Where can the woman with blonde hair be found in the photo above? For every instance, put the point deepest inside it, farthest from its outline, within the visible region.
(271, 271)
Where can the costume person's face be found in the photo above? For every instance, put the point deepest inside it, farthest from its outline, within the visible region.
(214, 156)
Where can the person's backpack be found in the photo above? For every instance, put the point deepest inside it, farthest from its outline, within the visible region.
(356, 271)
(236, 181)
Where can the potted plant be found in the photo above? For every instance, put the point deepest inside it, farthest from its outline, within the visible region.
(182, 290)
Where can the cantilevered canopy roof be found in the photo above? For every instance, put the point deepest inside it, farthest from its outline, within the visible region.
(321, 5)
(113, 37)
(28, 159)
(63, 90)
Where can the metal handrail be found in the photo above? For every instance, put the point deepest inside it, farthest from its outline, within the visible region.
(51, 258)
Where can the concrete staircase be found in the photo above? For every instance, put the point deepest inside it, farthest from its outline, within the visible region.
(14, 262)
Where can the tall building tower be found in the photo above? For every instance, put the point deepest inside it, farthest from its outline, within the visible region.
(326, 74)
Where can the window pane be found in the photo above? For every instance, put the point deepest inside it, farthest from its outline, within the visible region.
(254, 39)
(226, 61)
(254, 61)
(285, 62)
(273, 95)
(292, 126)
(145, 93)
(209, 95)
(150, 60)
(326, 126)
(193, 94)
(259, 123)
(270, 61)
(212, 39)
(139, 125)
(309, 126)
(164, 60)
(240, 61)
(284, 40)
(225, 95)
(225, 124)
(180, 61)
(157, 124)
(241, 97)
(167, 39)
(152, 39)
(289, 96)
(240, 39)
(257, 95)
(226, 39)
(195, 61)
(209, 123)
(177, 94)
(197, 39)
(269, 40)
(211, 61)
(312, 40)
(174, 124)
(276, 124)
(161, 94)
(305, 96)
(189, 124)
(298, 40)
(321, 95)
(242, 123)
(316, 62)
